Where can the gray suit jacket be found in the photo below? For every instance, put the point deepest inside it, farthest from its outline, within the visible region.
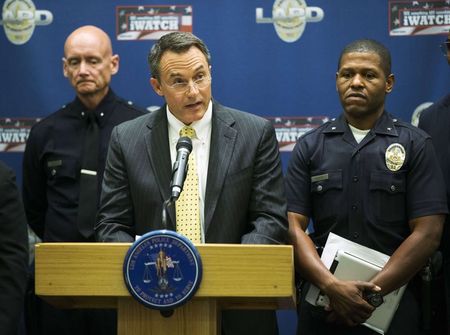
(244, 201)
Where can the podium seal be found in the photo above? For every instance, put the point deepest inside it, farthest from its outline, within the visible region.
(162, 270)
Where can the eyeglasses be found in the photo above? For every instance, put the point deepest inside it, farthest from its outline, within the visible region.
(182, 86)
(445, 48)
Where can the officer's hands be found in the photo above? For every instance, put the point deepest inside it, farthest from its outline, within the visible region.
(347, 304)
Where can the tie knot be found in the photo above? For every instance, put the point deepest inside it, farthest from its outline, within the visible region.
(187, 131)
(91, 118)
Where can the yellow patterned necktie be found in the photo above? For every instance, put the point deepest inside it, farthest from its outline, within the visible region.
(187, 205)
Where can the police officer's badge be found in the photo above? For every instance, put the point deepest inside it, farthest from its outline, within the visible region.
(395, 156)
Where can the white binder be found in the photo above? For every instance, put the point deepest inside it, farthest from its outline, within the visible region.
(351, 261)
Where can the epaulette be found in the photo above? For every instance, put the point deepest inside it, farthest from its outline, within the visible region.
(130, 104)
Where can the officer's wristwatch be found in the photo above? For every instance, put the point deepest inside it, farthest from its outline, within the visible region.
(374, 298)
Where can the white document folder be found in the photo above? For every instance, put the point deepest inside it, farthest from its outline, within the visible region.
(351, 261)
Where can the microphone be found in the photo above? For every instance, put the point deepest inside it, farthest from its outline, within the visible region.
(179, 170)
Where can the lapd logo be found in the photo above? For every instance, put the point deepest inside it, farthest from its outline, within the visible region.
(19, 17)
(395, 156)
(289, 18)
(162, 270)
(416, 114)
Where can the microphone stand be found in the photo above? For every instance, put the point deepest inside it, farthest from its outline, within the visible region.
(165, 208)
(166, 313)
(169, 202)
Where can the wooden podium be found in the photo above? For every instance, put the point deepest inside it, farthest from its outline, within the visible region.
(89, 275)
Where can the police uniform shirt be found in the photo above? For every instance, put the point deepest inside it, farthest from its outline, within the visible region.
(52, 162)
(365, 192)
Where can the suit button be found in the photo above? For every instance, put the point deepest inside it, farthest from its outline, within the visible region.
(355, 234)
(393, 188)
(355, 179)
(354, 207)
(319, 188)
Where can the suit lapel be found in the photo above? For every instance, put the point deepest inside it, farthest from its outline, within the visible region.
(223, 138)
(157, 142)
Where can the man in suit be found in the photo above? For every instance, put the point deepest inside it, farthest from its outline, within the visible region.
(435, 120)
(13, 253)
(240, 179)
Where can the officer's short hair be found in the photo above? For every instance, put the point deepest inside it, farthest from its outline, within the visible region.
(369, 46)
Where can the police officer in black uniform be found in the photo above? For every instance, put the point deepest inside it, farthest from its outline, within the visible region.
(435, 120)
(374, 180)
(53, 165)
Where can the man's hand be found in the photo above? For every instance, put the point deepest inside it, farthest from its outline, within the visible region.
(347, 304)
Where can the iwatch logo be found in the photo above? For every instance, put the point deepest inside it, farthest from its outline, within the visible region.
(289, 18)
(19, 17)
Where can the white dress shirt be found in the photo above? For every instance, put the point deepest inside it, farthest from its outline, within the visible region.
(200, 148)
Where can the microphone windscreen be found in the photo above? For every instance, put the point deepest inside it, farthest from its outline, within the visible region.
(184, 142)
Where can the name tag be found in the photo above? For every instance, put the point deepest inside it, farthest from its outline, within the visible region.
(319, 177)
(89, 172)
(54, 163)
